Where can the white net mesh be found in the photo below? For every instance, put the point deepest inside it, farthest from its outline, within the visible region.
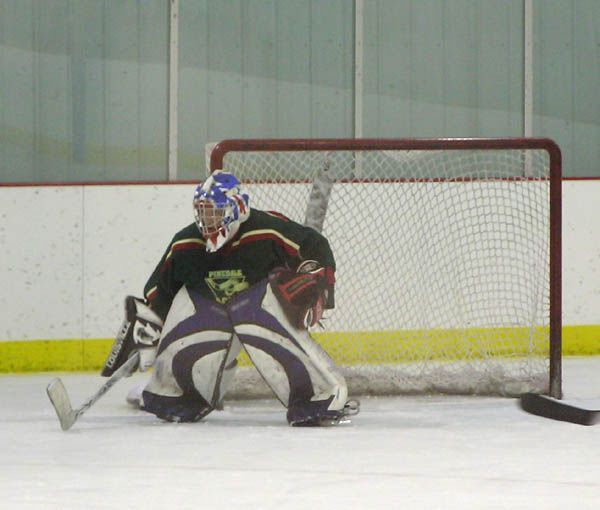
(442, 263)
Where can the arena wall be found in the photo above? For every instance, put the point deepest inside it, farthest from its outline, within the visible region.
(71, 253)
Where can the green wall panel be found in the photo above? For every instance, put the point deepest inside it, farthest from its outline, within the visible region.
(262, 68)
(84, 83)
(567, 80)
(83, 90)
(17, 148)
(439, 68)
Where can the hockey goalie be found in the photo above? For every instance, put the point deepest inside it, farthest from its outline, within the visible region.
(237, 278)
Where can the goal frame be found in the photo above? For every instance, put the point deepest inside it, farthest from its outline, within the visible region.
(447, 144)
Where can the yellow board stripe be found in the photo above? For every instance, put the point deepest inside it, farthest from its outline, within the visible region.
(48, 355)
(374, 347)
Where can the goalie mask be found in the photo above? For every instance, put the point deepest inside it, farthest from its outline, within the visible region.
(220, 208)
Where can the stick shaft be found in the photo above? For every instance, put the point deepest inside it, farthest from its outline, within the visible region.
(123, 371)
(62, 404)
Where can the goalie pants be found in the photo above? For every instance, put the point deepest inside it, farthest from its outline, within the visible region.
(201, 340)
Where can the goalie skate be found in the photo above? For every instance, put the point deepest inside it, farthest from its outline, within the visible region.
(329, 418)
(134, 396)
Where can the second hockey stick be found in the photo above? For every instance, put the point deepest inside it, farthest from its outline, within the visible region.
(547, 407)
(59, 397)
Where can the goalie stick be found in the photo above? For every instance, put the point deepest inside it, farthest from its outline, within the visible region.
(547, 407)
(59, 397)
(318, 200)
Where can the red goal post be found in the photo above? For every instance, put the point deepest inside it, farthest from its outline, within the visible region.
(448, 254)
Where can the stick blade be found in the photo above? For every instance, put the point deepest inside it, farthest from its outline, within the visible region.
(59, 397)
(547, 407)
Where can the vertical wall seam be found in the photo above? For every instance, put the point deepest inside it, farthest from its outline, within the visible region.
(380, 87)
(276, 130)
(310, 70)
(138, 51)
(173, 89)
(444, 83)
(477, 48)
(528, 68)
(358, 67)
(69, 106)
(243, 67)
(105, 97)
(410, 69)
(573, 61)
(36, 90)
(208, 78)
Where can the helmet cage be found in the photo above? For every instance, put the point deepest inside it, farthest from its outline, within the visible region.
(210, 218)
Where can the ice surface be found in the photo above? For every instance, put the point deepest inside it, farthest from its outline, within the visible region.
(428, 452)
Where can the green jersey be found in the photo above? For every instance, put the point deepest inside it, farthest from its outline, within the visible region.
(266, 240)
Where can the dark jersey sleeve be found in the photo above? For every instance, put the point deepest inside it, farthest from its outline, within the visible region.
(311, 244)
(163, 284)
(157, 290)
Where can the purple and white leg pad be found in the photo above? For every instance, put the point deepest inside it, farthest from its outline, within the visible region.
(200, 343)
(298, 370)
(197, 345)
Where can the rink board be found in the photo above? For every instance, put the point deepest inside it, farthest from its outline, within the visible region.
(63, 319)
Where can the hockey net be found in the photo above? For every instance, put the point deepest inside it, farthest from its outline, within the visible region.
(447, 251)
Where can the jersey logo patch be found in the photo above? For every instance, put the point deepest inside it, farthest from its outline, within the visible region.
(226, 283)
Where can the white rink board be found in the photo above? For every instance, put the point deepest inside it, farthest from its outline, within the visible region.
(42, 272)
(70, 254)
